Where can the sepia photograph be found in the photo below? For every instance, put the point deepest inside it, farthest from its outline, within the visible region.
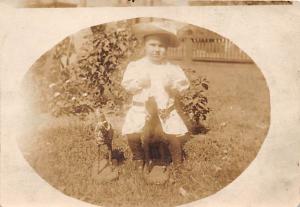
(143, 112)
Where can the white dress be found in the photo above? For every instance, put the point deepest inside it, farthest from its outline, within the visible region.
(135, 79)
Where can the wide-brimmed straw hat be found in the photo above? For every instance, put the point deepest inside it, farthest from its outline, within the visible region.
(141, 30)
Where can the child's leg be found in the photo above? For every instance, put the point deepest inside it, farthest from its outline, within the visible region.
(162, 151)
(146, 147)
(145, 137)
(135, 145)
(174, 144)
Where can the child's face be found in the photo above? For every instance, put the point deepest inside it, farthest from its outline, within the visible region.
(156, 48)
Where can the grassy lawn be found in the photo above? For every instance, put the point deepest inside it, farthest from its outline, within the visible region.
(63, 151)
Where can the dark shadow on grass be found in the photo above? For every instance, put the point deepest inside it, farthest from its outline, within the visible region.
(198, 129)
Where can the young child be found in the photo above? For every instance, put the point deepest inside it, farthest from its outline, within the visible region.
(154, 77)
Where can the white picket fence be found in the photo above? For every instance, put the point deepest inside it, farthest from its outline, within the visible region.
(208, 49)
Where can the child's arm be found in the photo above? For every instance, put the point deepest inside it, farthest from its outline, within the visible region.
(179, 82)
(134, 80)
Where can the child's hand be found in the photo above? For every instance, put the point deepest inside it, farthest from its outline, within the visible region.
(171, 91)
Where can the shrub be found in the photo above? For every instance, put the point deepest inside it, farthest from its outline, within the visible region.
(194, 102)
(93, 80)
